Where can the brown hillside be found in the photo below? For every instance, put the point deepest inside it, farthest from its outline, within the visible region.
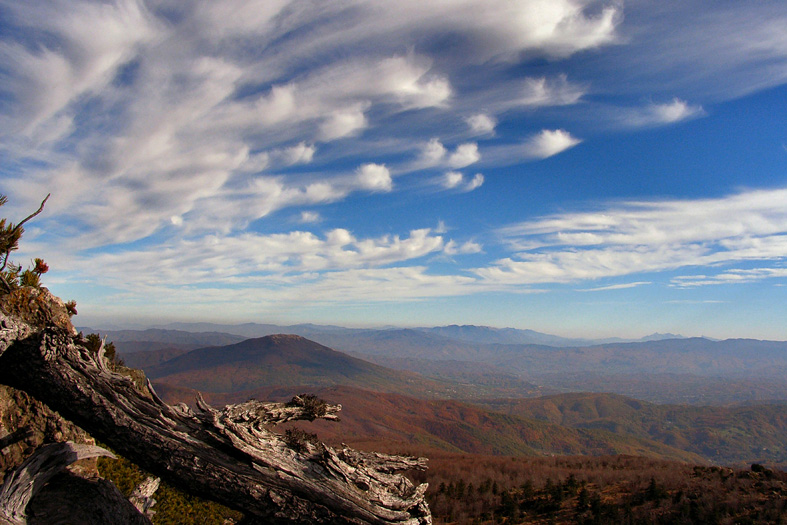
(374, 418)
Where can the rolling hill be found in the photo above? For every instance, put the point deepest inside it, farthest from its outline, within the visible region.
(286, 360)
(586, 424)
(374, 419)
(722, 435)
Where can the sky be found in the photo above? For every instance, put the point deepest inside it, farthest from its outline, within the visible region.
(577, 167)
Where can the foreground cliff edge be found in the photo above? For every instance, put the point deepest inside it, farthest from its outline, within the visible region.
(227, 455)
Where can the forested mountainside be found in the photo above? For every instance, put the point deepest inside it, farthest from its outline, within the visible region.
(683, 370)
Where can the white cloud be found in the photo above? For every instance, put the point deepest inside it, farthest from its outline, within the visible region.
(732, 276)
(639, 237)
(375, 177)
(308, 217)
(434, 153)
(659, 114)
(476, 182)
(464, 155)
(481, 124)
(301, 153)
(178, 119)
(185, 115)
(343, 123)
(234, 259)
(675, 111)
(622, 286)
(452, 248)
(452, 179)
(548, 143)
(550, 92)
(45, 79)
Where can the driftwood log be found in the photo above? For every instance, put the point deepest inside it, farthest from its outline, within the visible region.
(228, 455)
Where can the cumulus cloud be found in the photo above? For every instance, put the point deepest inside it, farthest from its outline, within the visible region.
(179, 121)
(481, 124)
(464, 155)
(434, 153)
(548, 143)
(185, 116)
(375, 177)
(456, 180)
(452, 179)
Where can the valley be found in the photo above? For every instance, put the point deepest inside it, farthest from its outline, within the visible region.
(517, 432)
(418, 387)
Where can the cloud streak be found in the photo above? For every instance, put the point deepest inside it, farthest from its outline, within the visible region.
(647, 237)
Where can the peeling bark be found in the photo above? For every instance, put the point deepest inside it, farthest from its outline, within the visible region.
(228, 455)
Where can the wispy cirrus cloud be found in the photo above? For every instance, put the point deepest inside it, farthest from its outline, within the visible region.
(648, 237)
(732, 276)
(654, 114)
(175, 134)
(557, 91)
(308, 217)
(622, 286)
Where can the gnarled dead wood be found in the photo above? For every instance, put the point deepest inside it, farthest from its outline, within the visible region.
(142, 497)
(26, 481)
(228, 455)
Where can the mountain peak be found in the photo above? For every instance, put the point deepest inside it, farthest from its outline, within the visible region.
(284, 338)
(657, 336)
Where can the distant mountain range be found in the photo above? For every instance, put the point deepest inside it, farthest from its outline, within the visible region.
(412, 394)
(466, 333)
(690, 370)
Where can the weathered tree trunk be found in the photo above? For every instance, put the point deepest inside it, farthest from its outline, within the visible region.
(224, 455)
(28, 480)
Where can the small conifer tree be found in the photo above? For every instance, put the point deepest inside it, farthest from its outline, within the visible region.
(11, 275)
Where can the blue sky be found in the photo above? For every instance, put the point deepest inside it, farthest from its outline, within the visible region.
(576, 167)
